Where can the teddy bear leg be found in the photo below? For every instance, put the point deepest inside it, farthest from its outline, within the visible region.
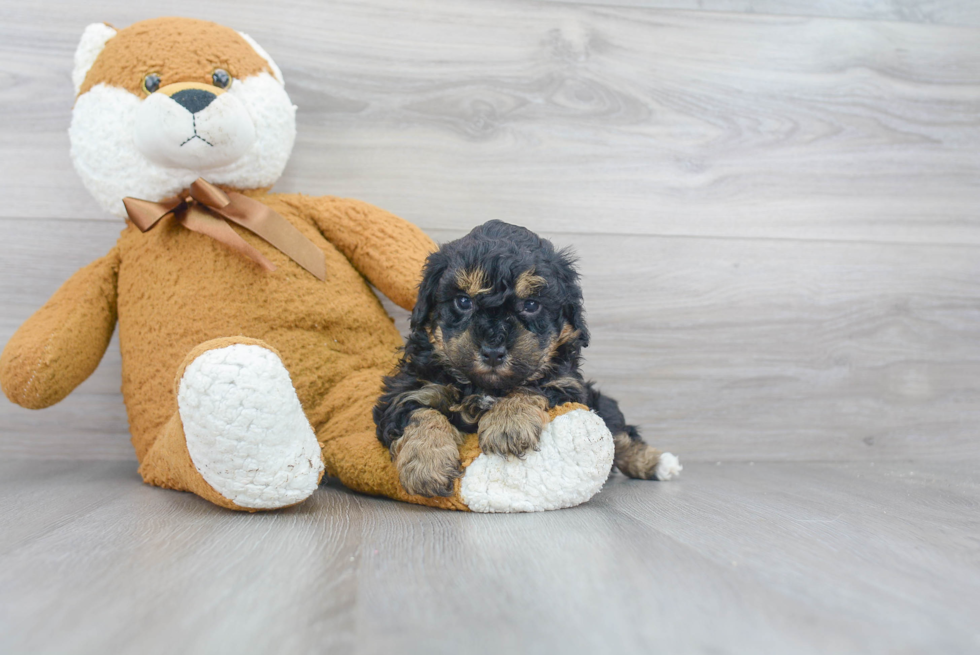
(351, 450)
(239, 438)
(573, 461)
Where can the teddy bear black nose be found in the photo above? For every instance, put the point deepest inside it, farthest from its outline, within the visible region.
(193, 100)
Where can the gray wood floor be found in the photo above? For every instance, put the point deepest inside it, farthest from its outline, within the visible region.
(732, 558)
(777, 209)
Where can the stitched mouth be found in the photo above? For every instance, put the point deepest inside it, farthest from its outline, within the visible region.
(195, 135)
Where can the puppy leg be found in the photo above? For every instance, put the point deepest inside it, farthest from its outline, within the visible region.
(634, 457)
(638, 459)
(427, 454)
(513, 425)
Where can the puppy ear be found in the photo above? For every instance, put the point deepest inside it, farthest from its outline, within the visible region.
(425, 303)
(89, 48)
(576, 318)
(572, 311)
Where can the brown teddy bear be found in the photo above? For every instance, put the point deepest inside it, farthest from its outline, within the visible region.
(252, 344)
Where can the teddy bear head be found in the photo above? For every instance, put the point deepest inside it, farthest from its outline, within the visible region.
(165, 101)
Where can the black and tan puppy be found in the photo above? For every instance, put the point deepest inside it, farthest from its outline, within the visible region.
(496, 339)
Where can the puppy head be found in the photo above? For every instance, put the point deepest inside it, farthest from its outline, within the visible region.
(165, 101)
(500, 307)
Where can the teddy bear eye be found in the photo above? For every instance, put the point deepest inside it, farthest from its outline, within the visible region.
(221, 78)
(151, 82)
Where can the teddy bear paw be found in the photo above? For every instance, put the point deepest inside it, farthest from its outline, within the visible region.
(245, 429)
(572, 462)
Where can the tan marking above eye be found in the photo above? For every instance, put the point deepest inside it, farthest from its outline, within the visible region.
(528, 283)
(472, 282)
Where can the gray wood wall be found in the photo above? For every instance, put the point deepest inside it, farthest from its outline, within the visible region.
(776, 202)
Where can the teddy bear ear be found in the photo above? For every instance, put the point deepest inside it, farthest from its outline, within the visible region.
(276, 73)
(93, 40)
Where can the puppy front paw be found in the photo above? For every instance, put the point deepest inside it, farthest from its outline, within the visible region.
(427, 455)
(513, 425)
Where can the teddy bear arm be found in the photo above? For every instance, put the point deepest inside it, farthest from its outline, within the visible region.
(58, 347)
(387, 250)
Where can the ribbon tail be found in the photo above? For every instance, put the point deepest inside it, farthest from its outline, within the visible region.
(280, 233)
(218, 229)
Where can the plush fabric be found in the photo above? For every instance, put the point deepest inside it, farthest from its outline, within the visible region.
(64, 341)
(244, 385)
(176, 49)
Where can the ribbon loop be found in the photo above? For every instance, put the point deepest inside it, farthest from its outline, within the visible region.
(208, 210)
(208, 194)
(145, 214)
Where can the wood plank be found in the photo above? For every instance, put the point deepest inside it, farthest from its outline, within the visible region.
(151, 567)
(788, 350)
(945, 12)
(39, 499)
(577, 118)
(719, 349)
(775, 558)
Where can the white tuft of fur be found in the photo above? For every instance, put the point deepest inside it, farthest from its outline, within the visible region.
(260, 51)
(274, 116)
(574, 460)
(89, 48)
(668, 467)
(246, 431)
(112, 167)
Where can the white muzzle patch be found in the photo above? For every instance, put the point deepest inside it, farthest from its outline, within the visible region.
(152, 147)
(170, 134)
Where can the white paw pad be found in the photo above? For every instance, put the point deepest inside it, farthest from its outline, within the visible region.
(668, 468)
(573, 462)
(245, 429)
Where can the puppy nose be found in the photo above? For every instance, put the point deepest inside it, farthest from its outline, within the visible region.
(193, 100)
(492, 355)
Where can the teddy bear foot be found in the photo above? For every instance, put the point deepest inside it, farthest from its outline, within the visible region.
(245, 429)
(570, 466)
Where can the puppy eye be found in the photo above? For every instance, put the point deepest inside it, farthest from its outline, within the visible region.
(464, 303)
(151, 83)
(530, 306)
(221, 78)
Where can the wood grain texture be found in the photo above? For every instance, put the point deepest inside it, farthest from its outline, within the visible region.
(775, 558)
(946, 12)
(565, 117)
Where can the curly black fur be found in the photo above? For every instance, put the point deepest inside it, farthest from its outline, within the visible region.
(442, 365)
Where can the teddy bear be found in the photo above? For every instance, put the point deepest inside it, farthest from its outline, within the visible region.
(253, 346)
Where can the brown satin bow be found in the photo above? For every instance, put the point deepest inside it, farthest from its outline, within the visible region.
(208, 209)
